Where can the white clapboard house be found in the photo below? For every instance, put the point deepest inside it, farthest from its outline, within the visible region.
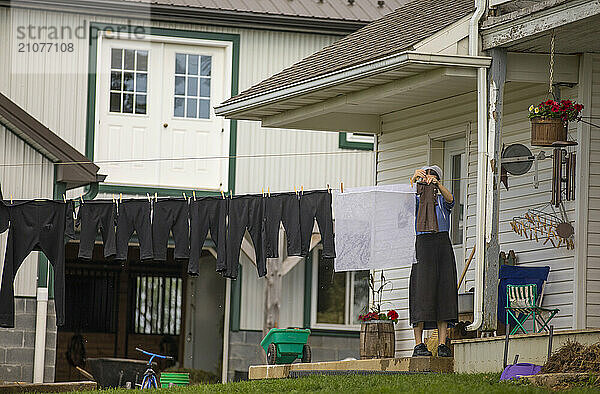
(132, 86)
(449, 83)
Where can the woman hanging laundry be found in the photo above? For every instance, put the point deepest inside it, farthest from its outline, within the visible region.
(433, 296)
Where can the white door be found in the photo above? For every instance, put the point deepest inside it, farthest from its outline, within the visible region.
(129, 100)
(455, 179)
(193, 85)
(155, 124)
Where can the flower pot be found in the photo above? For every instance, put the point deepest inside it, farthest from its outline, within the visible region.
(546, 131)
(377, 339)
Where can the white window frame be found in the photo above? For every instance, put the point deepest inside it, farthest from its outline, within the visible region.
(349, 310)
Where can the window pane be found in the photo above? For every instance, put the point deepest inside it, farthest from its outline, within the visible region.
(180, 63)
(205, 65)
(115, 80)
(361, 295)
(179, 107)
(331, 293)
(128, 81)
(116, 58)
(115, 102)
(129, 59)
(140, 103)
(205, 87)
(192, 86)
(127, 103)
(192, 108)
(180, 85)
(141, 83)
(192, 65)
(204, 109)
(142, 61)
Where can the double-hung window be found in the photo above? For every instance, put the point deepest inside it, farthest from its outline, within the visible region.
(337, 297)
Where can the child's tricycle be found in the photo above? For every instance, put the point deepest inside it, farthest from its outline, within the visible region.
(284, 345)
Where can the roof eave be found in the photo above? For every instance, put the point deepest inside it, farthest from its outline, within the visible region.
(345, 75)
(194, 15)
(75, 169)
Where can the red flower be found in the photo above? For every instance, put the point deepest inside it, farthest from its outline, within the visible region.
(549, 102)
(392, 315)
(554, 109)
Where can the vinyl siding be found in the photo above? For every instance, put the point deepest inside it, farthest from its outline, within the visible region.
(24, 174)
(593, 261)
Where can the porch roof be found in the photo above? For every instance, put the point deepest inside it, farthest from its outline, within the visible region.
(576, 24)
(392, 34)
(79, 171)
(353, 99)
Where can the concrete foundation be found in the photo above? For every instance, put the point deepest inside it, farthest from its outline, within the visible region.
(487, 354)
(17, 344)
(405, 364)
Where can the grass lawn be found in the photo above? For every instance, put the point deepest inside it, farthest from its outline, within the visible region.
(426, 383)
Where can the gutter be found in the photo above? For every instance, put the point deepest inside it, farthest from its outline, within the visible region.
(482, 145)
(360, 71)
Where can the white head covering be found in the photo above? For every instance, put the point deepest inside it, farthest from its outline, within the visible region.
(435, 168)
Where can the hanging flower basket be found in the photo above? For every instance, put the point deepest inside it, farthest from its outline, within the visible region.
(377, 335)
(549, 121)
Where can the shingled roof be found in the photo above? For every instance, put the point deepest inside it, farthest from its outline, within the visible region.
(393, 33)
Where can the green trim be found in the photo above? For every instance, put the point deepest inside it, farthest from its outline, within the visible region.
(308, 265)
(162, 192)
(92, 72)
(236, 301)
(334, 333)
(345, 144)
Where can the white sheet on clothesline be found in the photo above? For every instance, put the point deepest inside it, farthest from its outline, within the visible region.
(374, 227)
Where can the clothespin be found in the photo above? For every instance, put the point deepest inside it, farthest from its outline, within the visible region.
(230, 194)
(342, 187)
(155, 196)
(328, 188)
(11, 200)
(222, 194)
(296, 191)
(120, 197)
(301, 190)
(194, 193)
(64, 198)
(269, 189)
(262, 192)
(148, 195)
(184, 196)
(113, 196)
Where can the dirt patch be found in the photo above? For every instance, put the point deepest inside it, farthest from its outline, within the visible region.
(574, 357)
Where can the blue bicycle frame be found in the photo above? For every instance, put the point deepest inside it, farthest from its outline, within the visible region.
(149, 380)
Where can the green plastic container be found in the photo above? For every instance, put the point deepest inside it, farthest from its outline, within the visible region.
(170, 379)
(288, 341)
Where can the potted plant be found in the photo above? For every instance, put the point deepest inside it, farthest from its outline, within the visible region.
(549, 120)
(377, 335)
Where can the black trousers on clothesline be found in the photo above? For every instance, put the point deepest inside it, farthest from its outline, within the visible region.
(282, 208)
(171, 215)
(207, 213)
(91, 216)
(36, 226)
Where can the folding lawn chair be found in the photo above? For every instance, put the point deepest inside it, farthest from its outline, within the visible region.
(524, 302)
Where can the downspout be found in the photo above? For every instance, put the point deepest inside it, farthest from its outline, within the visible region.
(480, 7)
(40, 335)
(226, 328)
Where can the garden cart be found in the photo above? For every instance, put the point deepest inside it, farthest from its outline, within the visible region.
(284, 345)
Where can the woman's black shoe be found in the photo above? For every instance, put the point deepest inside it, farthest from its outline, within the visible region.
(444, 351)
(421, 350)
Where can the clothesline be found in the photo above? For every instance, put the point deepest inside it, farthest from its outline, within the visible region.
(256, 156)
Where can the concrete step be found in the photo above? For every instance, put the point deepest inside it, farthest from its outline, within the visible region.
(404, 364)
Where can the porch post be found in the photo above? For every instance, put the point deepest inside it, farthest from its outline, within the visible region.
(496, 80)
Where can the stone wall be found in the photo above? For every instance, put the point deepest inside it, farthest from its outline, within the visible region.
(245, 350)
(17, 344)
